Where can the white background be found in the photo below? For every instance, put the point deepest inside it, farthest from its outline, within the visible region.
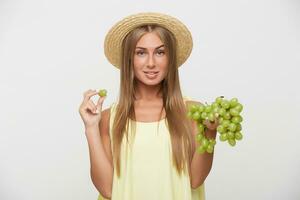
(51, 51)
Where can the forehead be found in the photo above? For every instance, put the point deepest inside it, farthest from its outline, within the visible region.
(149, 40)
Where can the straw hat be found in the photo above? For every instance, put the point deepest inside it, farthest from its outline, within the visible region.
(115, 36)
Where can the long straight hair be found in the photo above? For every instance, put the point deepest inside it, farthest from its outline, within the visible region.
(176, 110)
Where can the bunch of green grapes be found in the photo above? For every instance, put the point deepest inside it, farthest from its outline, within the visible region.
(229, 116)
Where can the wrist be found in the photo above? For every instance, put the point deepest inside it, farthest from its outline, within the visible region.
(211, 134)
(91, 128)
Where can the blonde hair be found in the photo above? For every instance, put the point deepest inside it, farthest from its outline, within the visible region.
(180, 133)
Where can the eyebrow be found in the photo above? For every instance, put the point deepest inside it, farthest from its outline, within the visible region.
(155, 48)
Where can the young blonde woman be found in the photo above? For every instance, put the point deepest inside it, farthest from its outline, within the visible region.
(143, 146)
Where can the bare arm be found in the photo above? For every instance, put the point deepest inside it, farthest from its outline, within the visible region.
(201, 163)
(100, 155)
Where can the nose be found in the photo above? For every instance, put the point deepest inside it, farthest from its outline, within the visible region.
(151, 61)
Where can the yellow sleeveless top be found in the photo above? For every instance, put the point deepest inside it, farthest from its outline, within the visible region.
(147, 172)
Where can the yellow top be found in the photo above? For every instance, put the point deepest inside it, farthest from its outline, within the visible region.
(147, 172)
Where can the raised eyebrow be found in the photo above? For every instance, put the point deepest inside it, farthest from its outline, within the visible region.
(146, 48)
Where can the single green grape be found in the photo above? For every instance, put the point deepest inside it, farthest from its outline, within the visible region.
(193, 108)
(102, 93)
(232, 142)
(230, 134)
(219, 100)
(215, 109)
(196, 115)
(215, 105)
(189, 114)
(208, 109)
(225, 123)
(201, 108)
(223, 137)
(199, 137)
(212, 141)
(233, 102)
(234, 112)
(222, 112)
(221, 129)
(210, 148)
(237, 119)
(211, 117)
(238, 135)
(232, 127)
(239, 107)
(204, 142)
(203, 115)
(227, 115)
(221, 119)
(201, 149)
(238, 127)
(225, 104)
(201, 128)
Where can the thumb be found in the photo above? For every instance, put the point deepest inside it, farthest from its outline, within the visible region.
(100, 103)
(206, 122)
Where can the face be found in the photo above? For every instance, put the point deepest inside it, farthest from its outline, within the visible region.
(150, 60)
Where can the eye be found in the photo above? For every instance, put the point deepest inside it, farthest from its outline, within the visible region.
(160, 52)
(140, 53)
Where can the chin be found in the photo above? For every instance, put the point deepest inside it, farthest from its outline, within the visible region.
(152, 83)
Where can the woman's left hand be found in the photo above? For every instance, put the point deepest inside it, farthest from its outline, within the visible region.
(211, 127)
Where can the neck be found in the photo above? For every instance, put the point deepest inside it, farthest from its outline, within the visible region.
(148, 92)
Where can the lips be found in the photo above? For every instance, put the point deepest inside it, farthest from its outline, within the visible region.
(152, 72)
(151, 75)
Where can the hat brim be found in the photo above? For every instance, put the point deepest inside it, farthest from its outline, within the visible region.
(115, 36)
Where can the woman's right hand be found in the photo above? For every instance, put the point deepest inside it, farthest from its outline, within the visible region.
(89, 112)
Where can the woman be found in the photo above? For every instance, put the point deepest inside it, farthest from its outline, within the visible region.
(143, 146)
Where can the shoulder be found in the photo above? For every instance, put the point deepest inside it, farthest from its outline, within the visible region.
(189, 101)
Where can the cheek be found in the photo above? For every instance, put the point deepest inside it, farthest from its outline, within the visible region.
(163, 63)
(138, 67)
(138, 61)
(165, 67)
(163, 60)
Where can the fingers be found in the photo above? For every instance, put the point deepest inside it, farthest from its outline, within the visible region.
(87, 104)
(91, 106)
(211, 125)
(88, 94)
(207, 123)
(96, 109)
